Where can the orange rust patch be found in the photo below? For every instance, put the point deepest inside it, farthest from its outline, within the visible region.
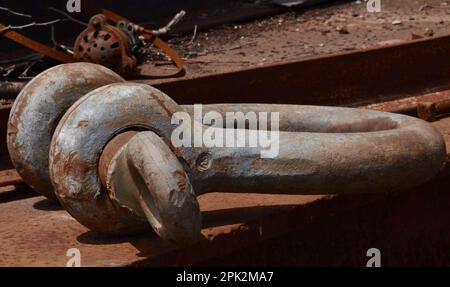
(181, 180)
(174, 149)
(82, 124)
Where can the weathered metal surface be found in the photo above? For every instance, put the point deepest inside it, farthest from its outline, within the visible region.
(74, 163)
(110, 150)
(136, 32)
(36, 113)
(430, 111)
(104, 44)
(409, 105)
(322, 150)
(147, 178)
(326, 150)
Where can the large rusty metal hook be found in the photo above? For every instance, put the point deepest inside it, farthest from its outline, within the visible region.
(145, 179)
(113, 167)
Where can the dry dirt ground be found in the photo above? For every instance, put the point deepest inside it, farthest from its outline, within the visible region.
(317, 31)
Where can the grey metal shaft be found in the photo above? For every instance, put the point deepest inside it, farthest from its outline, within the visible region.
(324, 150)
(308, 163)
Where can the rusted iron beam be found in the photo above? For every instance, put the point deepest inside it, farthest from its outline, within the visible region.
(430, 111)
(409, 105)
(346, 79)
(352, 78)
(349, 78)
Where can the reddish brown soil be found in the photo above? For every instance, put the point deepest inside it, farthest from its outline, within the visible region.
(318, 31)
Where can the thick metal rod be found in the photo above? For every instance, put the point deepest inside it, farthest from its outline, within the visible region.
(322, 150)
(312, 163)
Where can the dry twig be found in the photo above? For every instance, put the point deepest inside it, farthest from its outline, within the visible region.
(14, 12)
(32, 24)
(194, 35)
(173, 22)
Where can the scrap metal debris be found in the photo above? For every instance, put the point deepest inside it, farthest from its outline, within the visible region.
(117, 46)
(107, 45)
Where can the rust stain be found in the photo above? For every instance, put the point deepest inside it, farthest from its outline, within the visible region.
(83, 124)
(176, 151)
(181, 180)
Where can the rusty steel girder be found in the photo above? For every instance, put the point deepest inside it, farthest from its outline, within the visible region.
(431, 111)
(114, 168)
(353, 78)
